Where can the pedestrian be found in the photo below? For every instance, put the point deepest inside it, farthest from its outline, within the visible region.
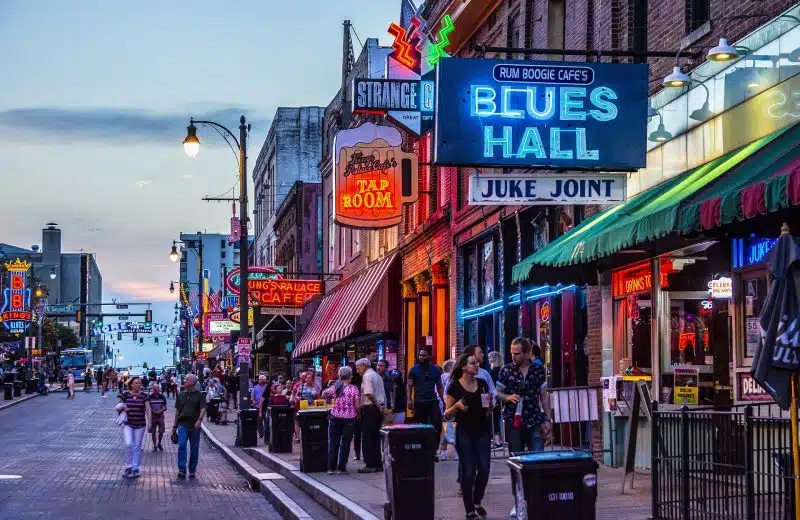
(342, 421)
(87, 379)
(231, 388)
(101, 378)
(306, 390)
(382, 368)
(70, 384)
(137, 408)
(158, 407)
(449, 434)
(190, 408)
(399, 401)
(164, 381)
(259, 393)
(373, 402)
(495, 364)
(468, 403)
(424, 384)
(173, 383)
(357, 432)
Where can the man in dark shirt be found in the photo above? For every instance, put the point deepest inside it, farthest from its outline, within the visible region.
(383, 371)
(190, 407)
(424, 387)
(158, 407)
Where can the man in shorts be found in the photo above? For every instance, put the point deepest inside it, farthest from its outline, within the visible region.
(158, 406)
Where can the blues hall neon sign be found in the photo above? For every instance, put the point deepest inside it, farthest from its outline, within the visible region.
(505, 113)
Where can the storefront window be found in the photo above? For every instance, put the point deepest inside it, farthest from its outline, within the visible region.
(754, 294)
(689, 332)
(632, 320)
(487, 252)
(471, 275)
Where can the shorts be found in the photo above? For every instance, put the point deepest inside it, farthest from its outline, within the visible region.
(157, 424)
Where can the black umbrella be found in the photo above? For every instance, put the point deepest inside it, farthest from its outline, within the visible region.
(778, 355)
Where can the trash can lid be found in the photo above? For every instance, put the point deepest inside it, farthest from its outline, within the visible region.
(552, 456)
(313, 411)
(400, 427)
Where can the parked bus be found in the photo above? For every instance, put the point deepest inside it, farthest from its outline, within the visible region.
(77, 360)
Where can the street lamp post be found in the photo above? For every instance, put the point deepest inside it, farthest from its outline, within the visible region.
(173, 255)
(191, 145)
(39, 314)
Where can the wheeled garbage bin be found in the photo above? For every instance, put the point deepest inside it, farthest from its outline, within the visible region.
(409, 467)
(248, 428)
(281, 428)
(8, 391)
(17, 388)
(313, 439)
(554, 484)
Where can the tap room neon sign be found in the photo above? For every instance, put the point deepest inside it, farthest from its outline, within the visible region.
(560, 115)
(16, 311)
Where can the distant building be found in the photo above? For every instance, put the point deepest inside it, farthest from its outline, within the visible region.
(77, 281)
(291, 152)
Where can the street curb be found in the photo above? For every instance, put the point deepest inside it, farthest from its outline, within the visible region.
(17, 400)
(338, 504)
(286, 507)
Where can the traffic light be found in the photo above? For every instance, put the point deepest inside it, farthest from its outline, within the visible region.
(119, 336)
(78, 315)
(155, 341)
(141, 341)
(148, 316)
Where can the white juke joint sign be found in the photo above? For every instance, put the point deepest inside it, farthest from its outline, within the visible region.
(557, 188)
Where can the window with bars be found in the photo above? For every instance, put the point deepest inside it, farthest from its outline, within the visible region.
(697, 13)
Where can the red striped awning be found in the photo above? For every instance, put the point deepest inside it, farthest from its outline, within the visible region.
(340, 309)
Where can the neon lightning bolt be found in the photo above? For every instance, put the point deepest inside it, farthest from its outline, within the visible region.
(402, 49)
(442, 41)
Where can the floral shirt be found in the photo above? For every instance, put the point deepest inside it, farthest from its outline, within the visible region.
(512, 381)
(344, 406)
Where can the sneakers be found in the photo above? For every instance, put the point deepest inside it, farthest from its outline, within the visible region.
(192, 475)
(342, 472)
(472, 516)
(160, 448)
(513, 512)
(480, 510)
(127, 472)
(135, 474)
(155, 448)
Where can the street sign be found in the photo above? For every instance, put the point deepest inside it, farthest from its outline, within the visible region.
(244, 350)
(286, 311)
(122, 318)
(122, 306)
(59, 309)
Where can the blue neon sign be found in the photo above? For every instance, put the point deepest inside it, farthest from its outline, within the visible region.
(559, 115)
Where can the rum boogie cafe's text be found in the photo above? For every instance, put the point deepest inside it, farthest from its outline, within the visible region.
(506, 188)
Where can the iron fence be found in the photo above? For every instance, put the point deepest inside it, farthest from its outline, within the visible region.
(709, 464)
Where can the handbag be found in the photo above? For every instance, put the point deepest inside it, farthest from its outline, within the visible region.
(122, 419)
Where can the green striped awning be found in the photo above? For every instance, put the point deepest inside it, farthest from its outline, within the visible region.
(646, 216)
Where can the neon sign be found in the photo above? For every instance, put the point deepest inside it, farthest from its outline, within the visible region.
(15, 313)
(442, 41)
(254, 272)
(515, 113)
(721, 288)
(402, 47)
(751, 251)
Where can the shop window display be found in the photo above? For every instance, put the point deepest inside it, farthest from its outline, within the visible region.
(754, 293)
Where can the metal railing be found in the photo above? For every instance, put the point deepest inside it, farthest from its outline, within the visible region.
(710, 464)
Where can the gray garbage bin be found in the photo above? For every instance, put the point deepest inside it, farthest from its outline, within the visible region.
(409, 467)
(554, 484)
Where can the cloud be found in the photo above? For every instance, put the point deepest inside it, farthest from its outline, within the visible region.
(142, 184)
(187, 176)
(119, 125)
(142, 291)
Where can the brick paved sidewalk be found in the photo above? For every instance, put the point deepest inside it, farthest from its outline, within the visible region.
(69, 455)
(369, 490)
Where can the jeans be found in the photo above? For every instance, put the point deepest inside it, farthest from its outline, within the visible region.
(191, 436)
(340, 433)
(371, 420)
(524, 438)
(133, 446)
(429, 413)
(474, 454)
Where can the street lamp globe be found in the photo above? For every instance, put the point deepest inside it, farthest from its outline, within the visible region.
(53, 273)
(173, 254)
(38, 292)
(171, 287)
(191, 144)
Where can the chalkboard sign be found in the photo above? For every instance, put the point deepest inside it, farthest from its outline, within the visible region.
(641, 405)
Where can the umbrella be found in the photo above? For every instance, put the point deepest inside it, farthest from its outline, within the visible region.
(777, 360)
(778, 356)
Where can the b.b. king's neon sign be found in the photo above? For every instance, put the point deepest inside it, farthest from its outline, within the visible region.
(15, 313)
(507, 113)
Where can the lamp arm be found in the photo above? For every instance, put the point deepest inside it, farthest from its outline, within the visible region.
(218, 127)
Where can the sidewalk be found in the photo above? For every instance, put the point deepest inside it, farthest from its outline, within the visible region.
(369, 490)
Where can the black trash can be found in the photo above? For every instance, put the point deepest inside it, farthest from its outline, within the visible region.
(281, 428)
(17, 388)
(31, 386)
(8, 391)
(313, 439)
(248, 428)
(213, 409)
(556, 484)
(409, 468)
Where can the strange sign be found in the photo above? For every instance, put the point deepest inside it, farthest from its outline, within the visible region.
(506, 188)
(373, 177)
(526, 113)
(15, 313)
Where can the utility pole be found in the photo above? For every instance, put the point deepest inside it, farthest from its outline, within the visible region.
(244, 307)
(200, 290)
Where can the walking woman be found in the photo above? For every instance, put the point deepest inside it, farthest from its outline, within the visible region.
(342, 422)
(468, 402)
(137, 408)
(70, 384)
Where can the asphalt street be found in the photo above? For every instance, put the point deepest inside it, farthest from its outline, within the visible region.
(69, 453)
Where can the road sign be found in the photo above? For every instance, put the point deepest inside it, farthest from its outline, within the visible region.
(122, 306)
(123, 317)
(59, 309)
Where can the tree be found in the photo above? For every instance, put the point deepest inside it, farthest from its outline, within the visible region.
(49, 335)
(67, 336)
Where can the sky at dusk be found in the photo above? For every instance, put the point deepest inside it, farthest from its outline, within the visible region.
(94, 100)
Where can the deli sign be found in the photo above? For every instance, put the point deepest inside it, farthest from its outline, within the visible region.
(750, 390)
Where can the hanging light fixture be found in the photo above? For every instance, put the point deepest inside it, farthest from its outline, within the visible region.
(660, 134)
(722, 52)
(677, 79)
(191, 144)
(173, 254)
(171, 287)
(53, 273)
